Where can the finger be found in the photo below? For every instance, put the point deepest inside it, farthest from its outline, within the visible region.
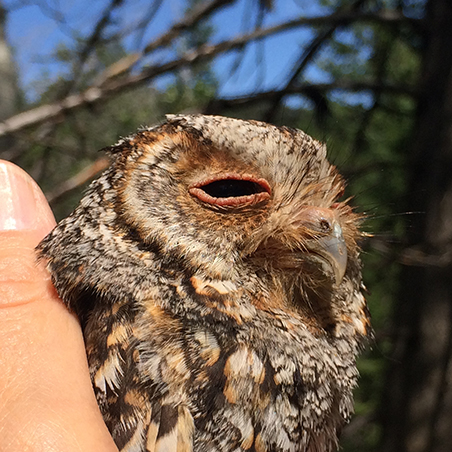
(46, 398)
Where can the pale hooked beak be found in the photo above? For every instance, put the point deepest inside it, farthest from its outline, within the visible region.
(333, 249)
(329, 248)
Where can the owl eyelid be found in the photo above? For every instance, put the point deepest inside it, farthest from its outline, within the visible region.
(231, 190)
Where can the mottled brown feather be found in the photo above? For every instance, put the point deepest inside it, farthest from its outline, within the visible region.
(216, 274)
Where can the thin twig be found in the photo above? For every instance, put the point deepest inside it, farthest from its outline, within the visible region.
(306, 57)
(78, 180)
(200, 12)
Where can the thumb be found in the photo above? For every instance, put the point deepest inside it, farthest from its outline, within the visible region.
(46, 397)
(23, 206)
(25, 219)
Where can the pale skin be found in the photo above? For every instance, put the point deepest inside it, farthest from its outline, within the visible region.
(46, 398)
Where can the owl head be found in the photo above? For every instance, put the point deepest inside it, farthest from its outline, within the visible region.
(220, 192)
(226, 199)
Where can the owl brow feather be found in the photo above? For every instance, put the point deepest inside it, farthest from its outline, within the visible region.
(293, 188)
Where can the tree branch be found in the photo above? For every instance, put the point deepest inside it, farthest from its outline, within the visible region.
(200, 12)
(89, 45)
(78, 180)
(346, 85)
(306, 57)
(114, 85)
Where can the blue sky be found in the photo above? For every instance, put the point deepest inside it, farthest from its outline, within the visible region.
(35, 33)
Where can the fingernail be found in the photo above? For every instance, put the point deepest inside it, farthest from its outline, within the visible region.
(22, 204)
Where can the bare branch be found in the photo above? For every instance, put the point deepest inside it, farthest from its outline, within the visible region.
(96, 35)
(200, 12)
(306, 57)
(144, 21)
(90, 44)
(114, 85)
(346, 85)
(78, 180)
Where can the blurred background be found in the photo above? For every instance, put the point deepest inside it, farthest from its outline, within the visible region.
(371, 78)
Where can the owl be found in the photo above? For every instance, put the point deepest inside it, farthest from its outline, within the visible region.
(216, 275)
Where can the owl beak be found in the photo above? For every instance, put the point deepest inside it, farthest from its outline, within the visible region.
(326, 246)
(314, 237)
(331, 252)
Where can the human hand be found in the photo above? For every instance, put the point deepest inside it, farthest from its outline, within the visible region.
(46, 398)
